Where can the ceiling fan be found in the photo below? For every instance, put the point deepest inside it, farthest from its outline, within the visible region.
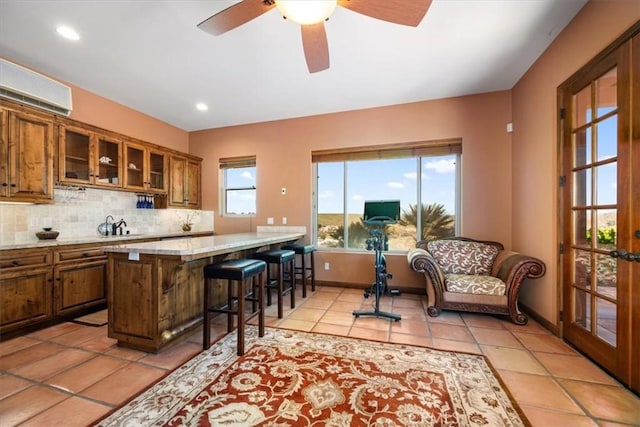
(311, 14)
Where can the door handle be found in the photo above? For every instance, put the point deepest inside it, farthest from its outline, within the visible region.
(624, 254)
(637, 234)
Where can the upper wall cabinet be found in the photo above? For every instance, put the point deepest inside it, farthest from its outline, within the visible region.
(86, 157)
(26, 157)
(185, 182)
(145, 169)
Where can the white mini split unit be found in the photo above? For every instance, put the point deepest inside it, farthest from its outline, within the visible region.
(28, 87)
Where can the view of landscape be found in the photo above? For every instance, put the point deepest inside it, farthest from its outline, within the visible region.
(352, 183)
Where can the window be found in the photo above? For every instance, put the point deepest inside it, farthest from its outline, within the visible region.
(422, 174)
(238, 177)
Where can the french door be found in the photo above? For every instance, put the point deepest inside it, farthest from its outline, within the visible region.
(600, 209)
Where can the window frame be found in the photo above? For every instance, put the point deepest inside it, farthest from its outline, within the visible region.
(226, 164)
(417, 150)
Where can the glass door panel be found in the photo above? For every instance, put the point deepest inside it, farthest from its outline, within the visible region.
(605, 131)
(606, 325)
(134, 167)
(597, 210)
(606, 87)
(157, 162)
(77, 149)
(109, 162)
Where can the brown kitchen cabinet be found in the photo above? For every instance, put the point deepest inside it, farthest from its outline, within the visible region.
(80, 278)
(26, 288)
(184, 189)
(86, 157)
(26, 157)
(145, 168)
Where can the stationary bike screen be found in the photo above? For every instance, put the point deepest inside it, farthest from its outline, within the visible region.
(381, 211)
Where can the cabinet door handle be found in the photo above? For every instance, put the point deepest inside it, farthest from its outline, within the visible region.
(4, 184)
(15, 262)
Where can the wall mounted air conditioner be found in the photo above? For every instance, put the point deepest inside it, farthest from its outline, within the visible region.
(28, 87)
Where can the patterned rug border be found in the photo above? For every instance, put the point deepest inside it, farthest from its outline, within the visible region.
(228, 342)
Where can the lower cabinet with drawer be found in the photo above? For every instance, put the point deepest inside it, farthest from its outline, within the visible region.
(80, 279)
(26, 288)
(44, 285)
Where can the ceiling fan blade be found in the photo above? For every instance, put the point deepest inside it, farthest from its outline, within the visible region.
(235, 15)
(316, 47)
(403, 12)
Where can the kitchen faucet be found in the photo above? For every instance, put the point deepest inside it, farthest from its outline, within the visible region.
(118, 225)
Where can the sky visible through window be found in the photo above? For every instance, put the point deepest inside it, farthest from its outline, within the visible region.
(243, 200)
(607, 180)
(390, 179)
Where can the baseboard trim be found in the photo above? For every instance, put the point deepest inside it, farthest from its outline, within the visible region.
(363, 286)
(554, 329)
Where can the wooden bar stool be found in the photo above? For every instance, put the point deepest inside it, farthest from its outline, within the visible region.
(238, 271)
(306, 272)
(281, 258)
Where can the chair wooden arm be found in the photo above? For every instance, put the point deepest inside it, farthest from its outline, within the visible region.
(512, 268)
(422, 261)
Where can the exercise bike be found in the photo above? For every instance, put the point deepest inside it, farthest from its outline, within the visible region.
(379, 242)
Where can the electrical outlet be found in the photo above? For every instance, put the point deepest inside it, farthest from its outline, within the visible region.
(284, 220)
(326, 266)
(270, 220)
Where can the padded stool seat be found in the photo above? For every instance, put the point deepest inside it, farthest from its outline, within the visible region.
(306, 272)
(239, 271)
(279, 257)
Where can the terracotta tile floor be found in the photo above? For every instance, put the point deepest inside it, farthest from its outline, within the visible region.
(71, 374)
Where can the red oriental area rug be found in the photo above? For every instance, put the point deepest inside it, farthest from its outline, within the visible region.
(290, 378)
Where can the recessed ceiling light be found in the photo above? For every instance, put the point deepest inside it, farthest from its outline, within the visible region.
(202, 106)
(68, 32)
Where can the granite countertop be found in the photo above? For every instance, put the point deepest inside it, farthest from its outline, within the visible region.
(6, 245)
(202, 247)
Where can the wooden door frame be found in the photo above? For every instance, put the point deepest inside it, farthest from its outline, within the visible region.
(601, 63)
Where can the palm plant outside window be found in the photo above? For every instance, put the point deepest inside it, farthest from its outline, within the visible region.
(425, 178)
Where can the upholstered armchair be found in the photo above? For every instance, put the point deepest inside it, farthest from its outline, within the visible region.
(471, 275)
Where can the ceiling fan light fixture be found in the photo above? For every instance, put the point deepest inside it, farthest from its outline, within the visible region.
(306, 12)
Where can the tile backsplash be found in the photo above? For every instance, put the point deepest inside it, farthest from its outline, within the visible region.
(78, 213)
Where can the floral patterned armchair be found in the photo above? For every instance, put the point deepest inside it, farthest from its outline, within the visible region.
(472, 275)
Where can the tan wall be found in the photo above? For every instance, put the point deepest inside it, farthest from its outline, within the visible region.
(535, 142)
(102, 112)
(283, 155)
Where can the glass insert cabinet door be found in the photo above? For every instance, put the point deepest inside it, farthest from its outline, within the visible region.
(109, 164)
(75, 152)
(600, 184)
(89, 158)
(157, 171)
(134, 167)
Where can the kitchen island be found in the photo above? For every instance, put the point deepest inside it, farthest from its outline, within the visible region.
(155, 289)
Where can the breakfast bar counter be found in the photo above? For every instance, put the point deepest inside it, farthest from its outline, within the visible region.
(155, 289)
